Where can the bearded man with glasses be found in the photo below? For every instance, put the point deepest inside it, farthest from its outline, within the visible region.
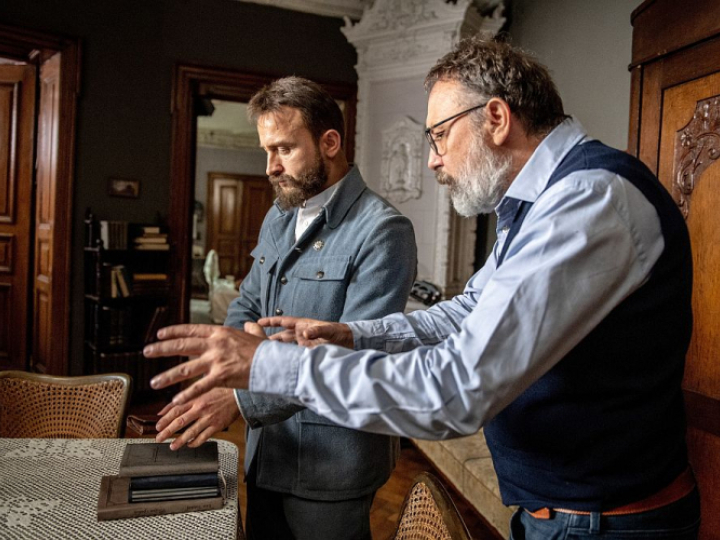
(567, 347)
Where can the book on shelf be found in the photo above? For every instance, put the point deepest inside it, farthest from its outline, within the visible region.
(114, 234)
(152, 247)
(114, 502)
(158, 276)
(156, 459)
(119, 286)
(152, 239)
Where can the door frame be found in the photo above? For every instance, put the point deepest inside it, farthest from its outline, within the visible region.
(191, 82)
(35, 47)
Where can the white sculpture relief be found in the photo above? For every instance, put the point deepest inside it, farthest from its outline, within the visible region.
(402, 160)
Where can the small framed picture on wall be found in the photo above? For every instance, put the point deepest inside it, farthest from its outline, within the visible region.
(122, 187)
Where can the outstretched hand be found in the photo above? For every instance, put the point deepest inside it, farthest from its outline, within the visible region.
(201, 417)
(224, 356)
(309, 332)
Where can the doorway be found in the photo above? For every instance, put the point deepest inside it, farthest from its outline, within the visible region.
(38, 94)
(194, 88)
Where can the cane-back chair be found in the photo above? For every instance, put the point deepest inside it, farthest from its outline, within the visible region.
(428, 513)
(45, 406)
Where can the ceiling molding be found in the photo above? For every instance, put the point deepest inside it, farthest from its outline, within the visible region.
(329, 8)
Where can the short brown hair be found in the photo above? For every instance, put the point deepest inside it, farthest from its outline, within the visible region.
(496, 69)
(319, 111)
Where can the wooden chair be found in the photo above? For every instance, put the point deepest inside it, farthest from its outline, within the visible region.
(45, 406)
(428, 513)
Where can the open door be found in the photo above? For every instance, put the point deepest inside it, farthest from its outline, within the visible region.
(37, 149)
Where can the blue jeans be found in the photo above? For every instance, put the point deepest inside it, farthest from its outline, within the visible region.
(677, 521)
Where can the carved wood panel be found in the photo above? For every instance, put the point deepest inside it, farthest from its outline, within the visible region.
(689, 148)
(678, 136)
(697, 146)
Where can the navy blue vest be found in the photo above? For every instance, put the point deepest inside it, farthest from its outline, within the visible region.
(606, 425)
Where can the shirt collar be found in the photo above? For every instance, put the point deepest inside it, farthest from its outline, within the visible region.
(314, 204)
(534, 176)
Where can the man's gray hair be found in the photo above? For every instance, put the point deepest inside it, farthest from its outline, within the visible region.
(495, 69)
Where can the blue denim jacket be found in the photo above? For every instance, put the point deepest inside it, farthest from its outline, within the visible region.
(356, 261)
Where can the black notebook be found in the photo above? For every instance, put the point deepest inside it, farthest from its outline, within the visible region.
(156, 459)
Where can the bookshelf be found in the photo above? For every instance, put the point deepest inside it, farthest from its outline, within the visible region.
(126, 287)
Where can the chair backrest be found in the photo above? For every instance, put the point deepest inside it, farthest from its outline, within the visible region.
(45, 406)
(428, 513)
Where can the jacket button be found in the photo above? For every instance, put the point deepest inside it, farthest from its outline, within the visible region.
(320, 274)
(283, 280)
(278, 311)
(262, 260)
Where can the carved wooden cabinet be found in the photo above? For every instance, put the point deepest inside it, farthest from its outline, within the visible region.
(675, 130)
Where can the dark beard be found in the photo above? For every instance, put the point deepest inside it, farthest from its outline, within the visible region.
(298, 190)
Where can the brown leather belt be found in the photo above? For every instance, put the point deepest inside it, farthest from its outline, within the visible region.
(676, 490)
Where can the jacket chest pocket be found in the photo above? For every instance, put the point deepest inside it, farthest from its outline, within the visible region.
(265, 262)
(320, 286)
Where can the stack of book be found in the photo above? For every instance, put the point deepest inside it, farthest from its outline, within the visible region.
(151, 239)
(155, 480)
(114, 234)
(150, 283)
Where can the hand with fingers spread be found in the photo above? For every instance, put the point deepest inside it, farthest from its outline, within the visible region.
(202, 417)
(309, 332)
(224, 356)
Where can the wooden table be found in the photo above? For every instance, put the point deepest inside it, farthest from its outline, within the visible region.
(49, 489)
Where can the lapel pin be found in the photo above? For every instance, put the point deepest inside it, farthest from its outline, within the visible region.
(317, 246)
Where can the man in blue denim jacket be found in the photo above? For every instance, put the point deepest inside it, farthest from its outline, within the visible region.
(330, 248)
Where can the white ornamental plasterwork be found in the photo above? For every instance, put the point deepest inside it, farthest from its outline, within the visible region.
(398, 42)
(402, 160)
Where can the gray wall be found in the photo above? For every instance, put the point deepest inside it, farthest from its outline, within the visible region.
(130, 48)
(587, 46)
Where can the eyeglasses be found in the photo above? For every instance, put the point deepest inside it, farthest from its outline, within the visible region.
(434, 139)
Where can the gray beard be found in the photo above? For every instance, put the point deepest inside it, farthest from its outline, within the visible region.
(481, 183)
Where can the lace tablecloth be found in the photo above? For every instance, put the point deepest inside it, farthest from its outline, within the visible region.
(49, 489)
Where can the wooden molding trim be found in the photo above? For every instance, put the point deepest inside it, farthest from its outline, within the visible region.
(190, 82)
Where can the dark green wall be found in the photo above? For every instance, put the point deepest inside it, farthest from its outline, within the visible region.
(130, 48)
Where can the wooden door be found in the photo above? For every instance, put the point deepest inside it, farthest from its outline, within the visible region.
(45, 330)
(237, 205)
(17, 136)
(675, 129)
(47, 293)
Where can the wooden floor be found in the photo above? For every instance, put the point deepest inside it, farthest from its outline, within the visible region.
(386, 507)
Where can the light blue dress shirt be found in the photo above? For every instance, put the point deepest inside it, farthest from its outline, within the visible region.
(587, 243)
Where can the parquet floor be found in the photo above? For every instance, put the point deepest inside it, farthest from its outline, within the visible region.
(386, 507)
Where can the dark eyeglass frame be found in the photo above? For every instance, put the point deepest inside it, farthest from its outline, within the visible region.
(428, 132)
